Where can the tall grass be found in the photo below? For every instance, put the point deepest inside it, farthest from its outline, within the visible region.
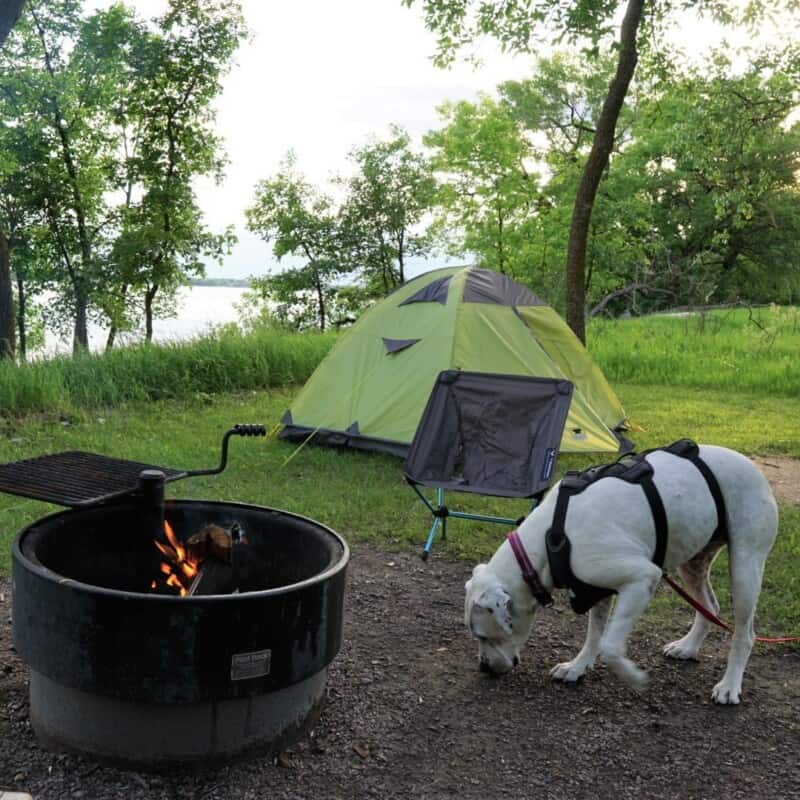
(749, 350)
(225, 360)
(752, 352)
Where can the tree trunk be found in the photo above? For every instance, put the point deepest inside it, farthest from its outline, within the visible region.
(111, 338)
(501, 257)
(401, 258)
(7, 332)
(80, 337)
(321, 302)
(593, 171)
(149, 296)
(22, 302)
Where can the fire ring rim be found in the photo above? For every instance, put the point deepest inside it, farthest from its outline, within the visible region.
(32, 563)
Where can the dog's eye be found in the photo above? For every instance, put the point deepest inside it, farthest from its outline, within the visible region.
(481, 638)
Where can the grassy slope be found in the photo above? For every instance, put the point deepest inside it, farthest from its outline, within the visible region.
(736, 350)
(364, 497)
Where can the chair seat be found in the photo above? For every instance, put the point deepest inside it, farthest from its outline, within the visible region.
(487, 434)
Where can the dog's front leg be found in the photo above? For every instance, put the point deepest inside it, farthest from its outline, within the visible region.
(632, 600)
(573, 671)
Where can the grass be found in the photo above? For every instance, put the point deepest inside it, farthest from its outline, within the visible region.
(728, 377)
(741, 351)
(738, 350)
(223, 361)
(364, 496)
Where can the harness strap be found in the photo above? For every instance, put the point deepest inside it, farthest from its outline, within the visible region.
(659, 519)
(686, 448)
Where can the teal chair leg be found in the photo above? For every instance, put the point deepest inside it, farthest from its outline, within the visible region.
(426, 551)
(440, 503)
(442, 520)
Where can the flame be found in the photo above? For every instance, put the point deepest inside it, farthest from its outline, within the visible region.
(180, 550)
(177, 567)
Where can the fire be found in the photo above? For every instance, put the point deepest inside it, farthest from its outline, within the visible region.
(178, 568)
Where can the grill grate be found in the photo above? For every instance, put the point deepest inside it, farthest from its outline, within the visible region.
(75, 478)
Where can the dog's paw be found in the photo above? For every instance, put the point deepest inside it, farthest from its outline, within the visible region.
(569, 671)
(682, 650)
(629, 673)
(724, 695)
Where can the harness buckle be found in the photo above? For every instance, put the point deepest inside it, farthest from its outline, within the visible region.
(555, 540)
(635, 473)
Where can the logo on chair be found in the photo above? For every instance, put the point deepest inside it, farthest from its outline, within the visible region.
(549, 460)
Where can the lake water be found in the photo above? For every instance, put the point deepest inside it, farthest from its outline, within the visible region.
(199, 307)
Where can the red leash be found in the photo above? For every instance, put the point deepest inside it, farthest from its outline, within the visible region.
(701, 609)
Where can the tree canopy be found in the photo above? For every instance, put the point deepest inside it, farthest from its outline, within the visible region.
(367, 235)
(105, 120)
(519, 24)
(701, 203)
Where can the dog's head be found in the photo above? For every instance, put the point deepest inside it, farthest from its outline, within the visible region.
(500, 624)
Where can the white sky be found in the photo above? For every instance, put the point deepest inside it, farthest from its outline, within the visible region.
(319, 77)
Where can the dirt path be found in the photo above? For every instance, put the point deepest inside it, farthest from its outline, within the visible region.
(783, 475)
(409, 715)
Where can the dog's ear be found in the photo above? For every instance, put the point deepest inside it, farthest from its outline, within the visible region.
(497, 601)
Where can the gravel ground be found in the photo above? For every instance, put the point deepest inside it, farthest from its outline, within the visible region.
(409, 715)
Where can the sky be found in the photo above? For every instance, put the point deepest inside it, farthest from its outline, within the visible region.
(319, 77)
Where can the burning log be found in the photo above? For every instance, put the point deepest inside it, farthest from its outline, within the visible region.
(210, 542)
(205, 564)
(214, 577)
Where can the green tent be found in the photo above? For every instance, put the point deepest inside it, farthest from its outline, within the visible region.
(371, 389)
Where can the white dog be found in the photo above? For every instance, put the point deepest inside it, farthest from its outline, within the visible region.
(612, 534)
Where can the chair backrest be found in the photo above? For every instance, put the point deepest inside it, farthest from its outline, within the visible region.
(490, 434)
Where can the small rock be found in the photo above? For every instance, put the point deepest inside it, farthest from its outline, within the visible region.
(362, 750)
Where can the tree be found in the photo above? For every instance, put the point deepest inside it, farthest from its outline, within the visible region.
(488, 188)
(386, 199)
(110, 119)
(21, 238)
(516, 23)
(706, 192)
(301, 223)
(166, 124)
(557, 109)
(7, 331)
(55, 87)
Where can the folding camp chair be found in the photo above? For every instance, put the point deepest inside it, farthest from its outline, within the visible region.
(487, 434)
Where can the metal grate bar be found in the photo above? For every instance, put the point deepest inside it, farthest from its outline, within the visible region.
(75, 478)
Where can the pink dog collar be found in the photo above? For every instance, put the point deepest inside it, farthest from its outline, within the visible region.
(529, 574)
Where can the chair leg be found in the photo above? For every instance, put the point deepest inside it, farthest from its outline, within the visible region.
(440, 503)
(426, 551)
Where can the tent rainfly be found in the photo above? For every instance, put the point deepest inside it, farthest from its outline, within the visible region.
(371, 389)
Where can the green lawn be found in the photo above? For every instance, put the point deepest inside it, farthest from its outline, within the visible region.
(751, 350)
(364, 496)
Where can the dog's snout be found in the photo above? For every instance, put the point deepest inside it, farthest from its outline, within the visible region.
(484, 666)
(515, 660)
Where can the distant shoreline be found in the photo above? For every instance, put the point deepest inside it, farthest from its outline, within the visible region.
(239, 283)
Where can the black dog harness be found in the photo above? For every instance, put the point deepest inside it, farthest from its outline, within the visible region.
(632, 468)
